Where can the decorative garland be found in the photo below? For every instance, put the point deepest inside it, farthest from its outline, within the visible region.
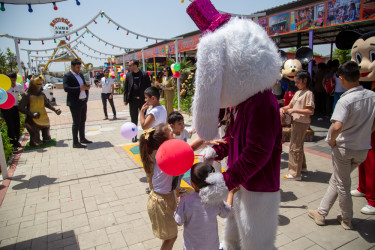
(93, 20)
(30, 9)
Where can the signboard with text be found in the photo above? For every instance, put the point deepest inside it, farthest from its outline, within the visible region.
(60, 26)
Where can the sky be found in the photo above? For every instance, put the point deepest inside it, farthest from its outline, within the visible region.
(155, 18)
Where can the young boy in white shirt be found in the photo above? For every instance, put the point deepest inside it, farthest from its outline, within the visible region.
(177, 124)
(353, 121)
(156, 113)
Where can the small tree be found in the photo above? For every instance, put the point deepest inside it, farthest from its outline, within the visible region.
(8, 61)
(342, 55)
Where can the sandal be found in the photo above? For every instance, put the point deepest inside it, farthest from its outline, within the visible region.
(291, 177)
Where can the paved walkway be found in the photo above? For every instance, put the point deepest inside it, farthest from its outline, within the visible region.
(65, 198)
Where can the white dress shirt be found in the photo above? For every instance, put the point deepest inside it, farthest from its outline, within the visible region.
(82, 95)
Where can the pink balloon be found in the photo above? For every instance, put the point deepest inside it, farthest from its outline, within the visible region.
(176, 74)
(175, 157)
(9, 102)
(149, 73)
(129, 130)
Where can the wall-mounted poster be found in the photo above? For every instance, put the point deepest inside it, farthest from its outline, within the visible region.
(263, 22)
(279, 24)
(368, 9)
(319, 16)
(303, 18)
(343, 11)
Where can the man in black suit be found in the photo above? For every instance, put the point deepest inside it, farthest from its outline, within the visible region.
(136, 82)
(78, 94)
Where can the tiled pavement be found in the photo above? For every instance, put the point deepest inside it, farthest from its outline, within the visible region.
(65, 198)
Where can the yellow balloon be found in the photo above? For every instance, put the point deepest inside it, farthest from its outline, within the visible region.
(173, 71)
(5, 82)
(110, 74)
(122, 79)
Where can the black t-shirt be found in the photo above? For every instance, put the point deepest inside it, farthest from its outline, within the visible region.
(136, 91)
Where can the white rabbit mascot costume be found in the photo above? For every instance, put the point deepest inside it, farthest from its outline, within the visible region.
(237, 66)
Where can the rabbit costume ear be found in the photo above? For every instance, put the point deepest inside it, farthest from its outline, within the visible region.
(235, 60)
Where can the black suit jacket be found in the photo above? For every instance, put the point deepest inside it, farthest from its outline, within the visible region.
(128, 86)
(71, 86)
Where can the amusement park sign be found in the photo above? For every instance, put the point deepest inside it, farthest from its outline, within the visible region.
(60, 26)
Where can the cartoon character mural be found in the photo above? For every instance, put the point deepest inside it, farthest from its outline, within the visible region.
(363, 52)
(34, 104)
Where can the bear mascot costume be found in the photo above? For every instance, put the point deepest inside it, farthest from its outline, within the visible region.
(363, 52)
(34, 104)
(237, 65)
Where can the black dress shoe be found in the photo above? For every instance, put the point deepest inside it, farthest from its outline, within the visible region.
(78, 145)
(85, 141)
(134, 139)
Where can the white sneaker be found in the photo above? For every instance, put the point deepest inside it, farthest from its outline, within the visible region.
(368, 209)
(356, 193)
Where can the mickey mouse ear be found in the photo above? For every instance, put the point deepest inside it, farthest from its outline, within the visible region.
(346, 38)
(305, 55)
(283, 55)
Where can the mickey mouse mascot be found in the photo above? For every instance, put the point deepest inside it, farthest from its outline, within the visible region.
(237, 65)
(290, 68)
(363, 52)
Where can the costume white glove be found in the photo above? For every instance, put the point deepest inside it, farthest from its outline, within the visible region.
(216, 192)
(208, 154)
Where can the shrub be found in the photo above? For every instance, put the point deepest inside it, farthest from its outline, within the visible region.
(8, 147)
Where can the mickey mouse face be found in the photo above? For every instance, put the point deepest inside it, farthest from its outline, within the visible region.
(291, 66)
(363, 52)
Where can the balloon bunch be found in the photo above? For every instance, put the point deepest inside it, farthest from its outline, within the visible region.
(112, 74)
(122, 77)
(176, 67)
(6, 99)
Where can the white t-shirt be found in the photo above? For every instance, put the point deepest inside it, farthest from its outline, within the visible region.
(161, 181)
(106, 85)
(200, 222)
(159, 113)
(184, 135)
(355, 109)
(16, 91)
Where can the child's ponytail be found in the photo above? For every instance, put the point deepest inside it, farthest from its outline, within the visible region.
(150, 140)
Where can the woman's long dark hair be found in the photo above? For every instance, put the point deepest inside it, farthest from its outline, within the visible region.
(146, 147)
(168, 69)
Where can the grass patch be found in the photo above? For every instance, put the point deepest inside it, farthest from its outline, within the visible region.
(51, 143)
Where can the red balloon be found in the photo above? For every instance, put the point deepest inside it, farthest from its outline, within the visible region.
(175, 157)
(122, 74)
(9, 102)
(176, 74)
(149, 73)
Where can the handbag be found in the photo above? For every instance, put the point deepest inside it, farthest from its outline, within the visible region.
(287, 119)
